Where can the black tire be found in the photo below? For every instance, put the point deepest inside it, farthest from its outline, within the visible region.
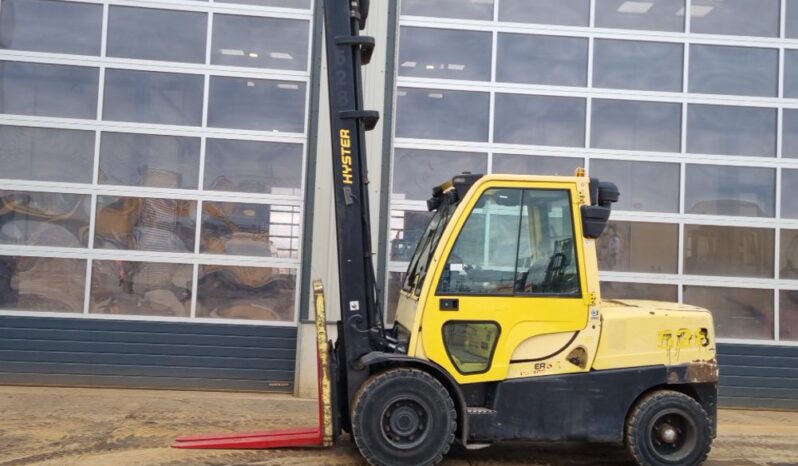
(668, 428)
(403, 417)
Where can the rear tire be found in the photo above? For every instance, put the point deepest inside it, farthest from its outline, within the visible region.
(403, 417)
(668, 428)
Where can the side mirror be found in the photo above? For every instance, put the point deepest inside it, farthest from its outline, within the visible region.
(608, 194)
(595, 217)
(594, 220)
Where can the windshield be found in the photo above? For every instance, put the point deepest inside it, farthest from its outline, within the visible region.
(417, 270)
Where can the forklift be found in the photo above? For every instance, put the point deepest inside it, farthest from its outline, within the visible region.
(501, 333)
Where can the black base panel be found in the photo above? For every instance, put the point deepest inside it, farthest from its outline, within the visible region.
(758, 376)
(138, 354)
(589, 406)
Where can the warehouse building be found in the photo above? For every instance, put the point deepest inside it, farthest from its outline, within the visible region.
(165, 177)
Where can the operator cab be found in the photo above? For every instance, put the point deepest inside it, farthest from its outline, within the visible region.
(528, 237)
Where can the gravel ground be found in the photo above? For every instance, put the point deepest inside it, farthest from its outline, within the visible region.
(72, 426)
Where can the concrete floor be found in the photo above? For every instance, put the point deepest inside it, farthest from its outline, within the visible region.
(70, 426)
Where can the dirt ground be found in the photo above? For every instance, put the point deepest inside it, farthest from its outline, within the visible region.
(69, 426)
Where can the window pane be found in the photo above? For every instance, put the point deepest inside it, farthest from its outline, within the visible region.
(558, 61)
(260, 42)
(149, 160)
(719, 190)
(465, 9)
(791, 19)
(455, 54)
(305, 4)
(716, 129)
(791, 73)
(406, 230)
(416, 172)
(648, 291)
(150, 97)
(43, 154)
(540, 120)
(789, 255)
(653, 15)
(630, 125)
(141, 288)
(648, 66)
(728, 251)
(565, 12)
(257, 104)
(470, 345)
(547, 262)
(789, 143)
(253, 167)
(483, 260)
(250, 229)
(145, 224)
(734, 70)
(738, 312)
(639, 247)
(736, 17)
(789, 193)
(442, 114)
(48, 90)
(536, 165)
(48, 26)
(44, 219)
(644, 186)
(151, 34)
(42, 284)
(788, 304)
(252, 293)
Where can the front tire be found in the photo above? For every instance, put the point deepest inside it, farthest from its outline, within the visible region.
(403, 417)
(668, 428)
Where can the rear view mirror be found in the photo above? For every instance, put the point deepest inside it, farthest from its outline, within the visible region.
(594, 220)
(595, 217)
(608, 194)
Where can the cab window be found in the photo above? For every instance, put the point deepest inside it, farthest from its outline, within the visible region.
(470, 345)
(483, 260)
(547, 253)
(515, 242)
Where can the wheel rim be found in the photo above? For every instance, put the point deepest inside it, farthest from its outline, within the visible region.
(672, 435)
(405, 422)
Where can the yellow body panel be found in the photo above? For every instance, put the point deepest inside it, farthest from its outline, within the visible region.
(557, 361)
(406, 310)
(646, 333)
(540, 346)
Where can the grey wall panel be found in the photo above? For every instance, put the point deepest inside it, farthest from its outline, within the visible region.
(758, 376)
(147, 349)
(147, 337)
(171, 383)
(93, 352)
(164, 360)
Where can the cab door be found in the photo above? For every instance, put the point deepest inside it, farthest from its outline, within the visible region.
(511, 270)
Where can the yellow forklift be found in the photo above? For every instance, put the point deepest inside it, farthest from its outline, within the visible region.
(501, 333)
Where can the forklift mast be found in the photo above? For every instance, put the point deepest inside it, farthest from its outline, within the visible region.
(360, 329)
